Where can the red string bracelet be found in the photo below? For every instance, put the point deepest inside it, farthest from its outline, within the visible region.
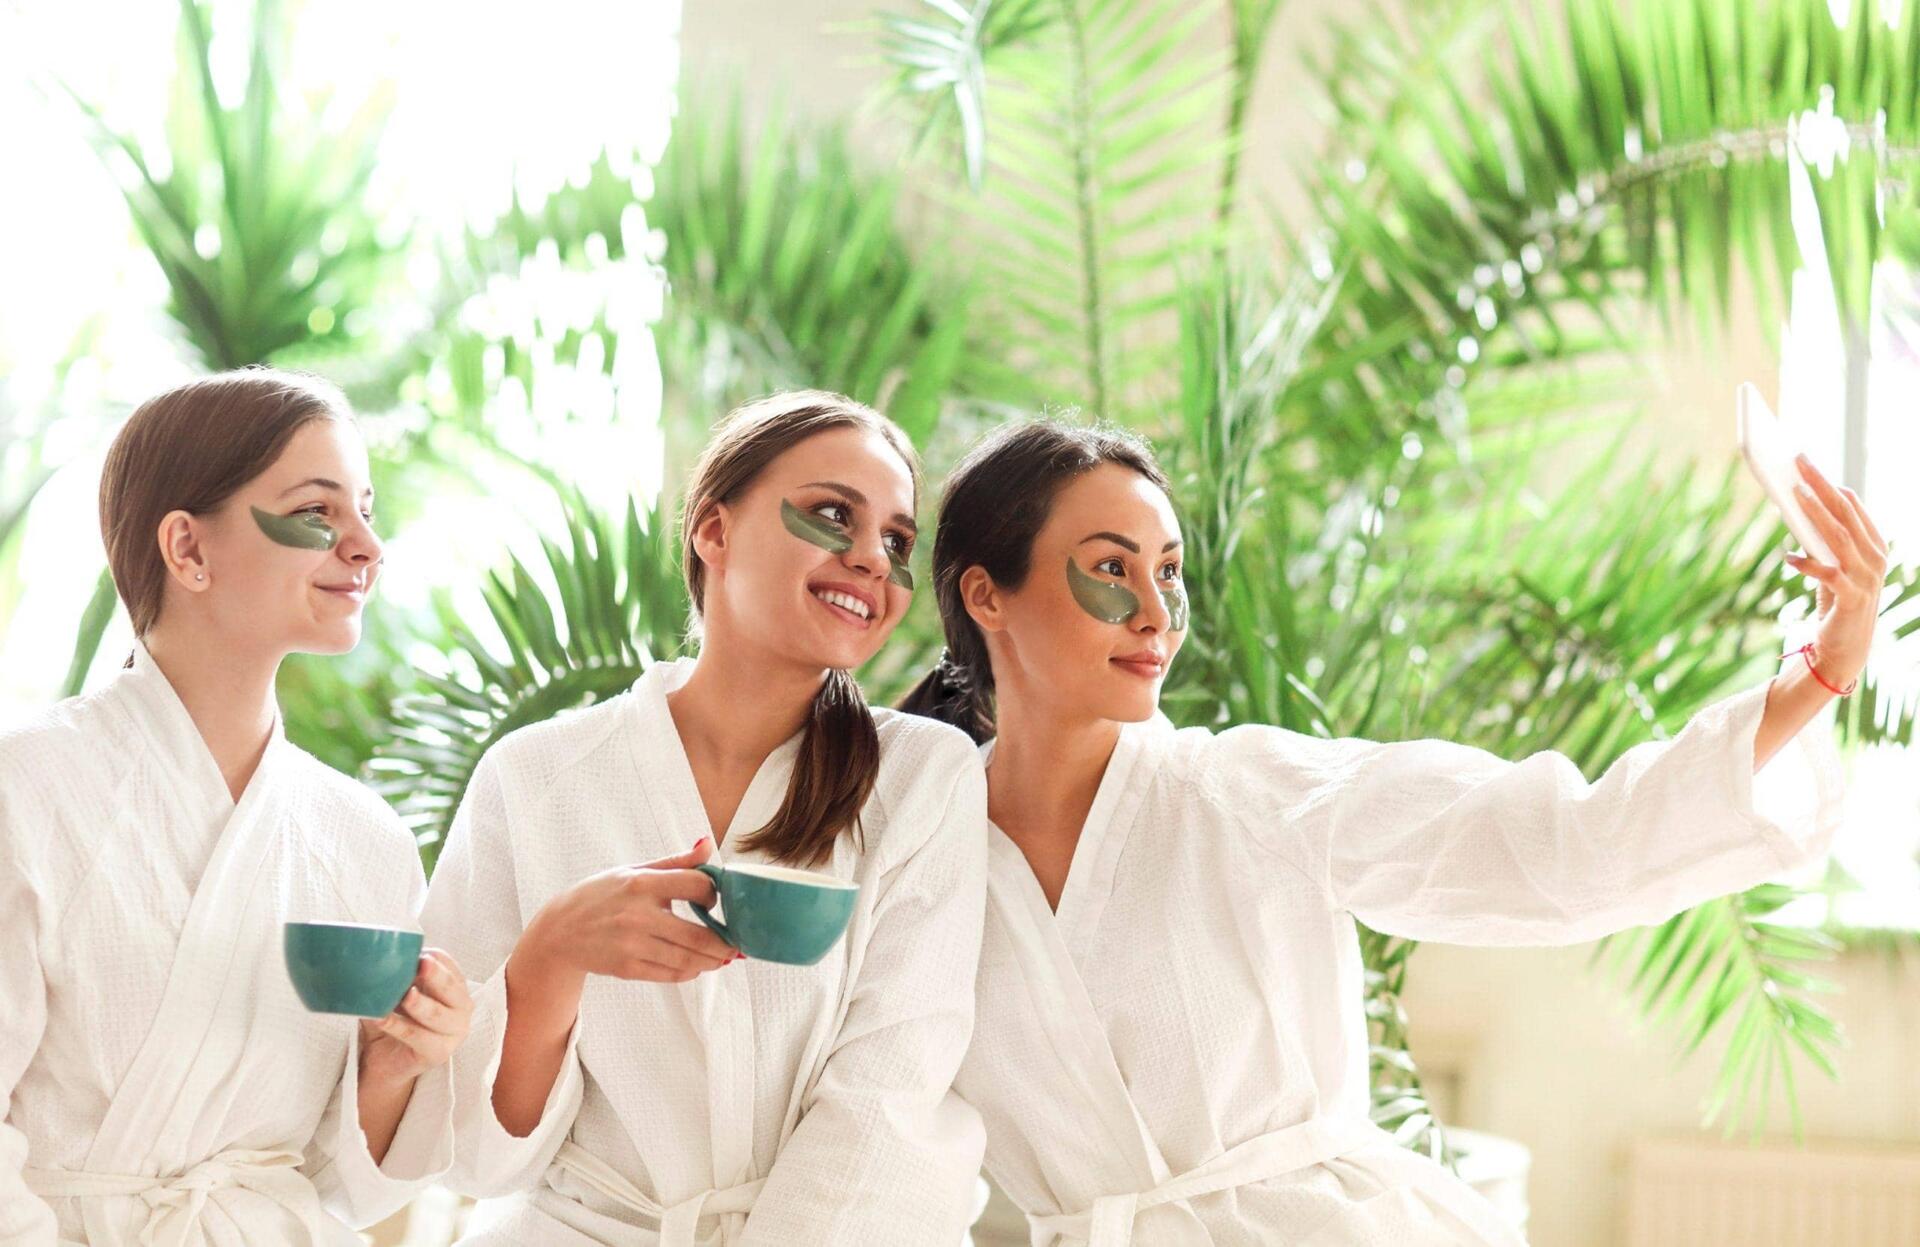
(1806, 651)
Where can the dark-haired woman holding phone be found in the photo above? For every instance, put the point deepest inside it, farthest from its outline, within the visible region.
(162, 1082)
(631, 1079)
(1169, 1047)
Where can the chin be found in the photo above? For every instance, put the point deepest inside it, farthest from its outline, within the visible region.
(340, 640)
(1134, 704)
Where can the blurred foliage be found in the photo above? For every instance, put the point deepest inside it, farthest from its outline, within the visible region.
(255, 214)
(1365, 552)
(1356, 405)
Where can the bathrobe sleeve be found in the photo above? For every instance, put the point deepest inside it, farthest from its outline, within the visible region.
(884, 1152)
(350, 1185)
(1438, 841)
(473, 911)
(24, 1216)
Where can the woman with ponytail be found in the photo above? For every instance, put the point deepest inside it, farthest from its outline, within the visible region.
(631, 1079)
(1170, 1046)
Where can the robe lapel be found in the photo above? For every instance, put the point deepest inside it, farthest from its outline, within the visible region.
(1050, 943)
(721, 1002)
(193, 1046)
(1058, 997)
(1116, 806)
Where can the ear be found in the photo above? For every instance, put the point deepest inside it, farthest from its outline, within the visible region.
(710, 536)
(181, 551)
(984, 600)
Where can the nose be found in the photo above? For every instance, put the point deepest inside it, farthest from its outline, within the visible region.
(359, 544)
(1154, 618)
(867, 554)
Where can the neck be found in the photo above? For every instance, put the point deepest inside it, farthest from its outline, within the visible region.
(737, 711)
(1045, 769)
(228, 693)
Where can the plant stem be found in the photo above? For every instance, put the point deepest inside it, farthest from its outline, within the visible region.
(1080, 125)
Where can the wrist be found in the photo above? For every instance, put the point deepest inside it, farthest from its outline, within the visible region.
(385, 1069)
(543, 983)
(1836, 679)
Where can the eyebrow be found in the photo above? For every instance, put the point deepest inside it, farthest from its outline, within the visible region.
(323, 483)
(1127, 542)
(859, 499)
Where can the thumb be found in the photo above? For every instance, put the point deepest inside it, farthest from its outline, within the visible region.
(700, 852)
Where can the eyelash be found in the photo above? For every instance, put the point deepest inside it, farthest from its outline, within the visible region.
(1101, 566)
(320, 508)
(903, 544)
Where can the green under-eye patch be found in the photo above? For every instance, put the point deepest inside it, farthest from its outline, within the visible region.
(1109, 603)
(901, 574)
(1178, 609)
(813, 530)
(304, 531)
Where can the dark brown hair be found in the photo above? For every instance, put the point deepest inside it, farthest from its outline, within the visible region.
(839, 750)
(995, 503)
(190, 449)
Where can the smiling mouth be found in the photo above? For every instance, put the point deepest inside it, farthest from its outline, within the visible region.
(846, 605)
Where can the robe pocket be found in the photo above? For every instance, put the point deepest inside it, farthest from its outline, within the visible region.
(1397, 1218)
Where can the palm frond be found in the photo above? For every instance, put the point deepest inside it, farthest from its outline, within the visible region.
(1108, 125)
(1724, 967)
(942, 55)
(616, 603)
(1399, 1102)
(787, 269)
(1886, 708)
(1621, 155)
(255, 216)
(94, 619)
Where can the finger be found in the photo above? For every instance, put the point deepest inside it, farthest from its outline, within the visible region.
(416, 1006)
(440, 980)
(682, 885)
(689, 939)
(408, 1032)
(651, 971)
(1813, 567)
(702, 849)
(1838, 538)
(1829, 498)
(1866, 521)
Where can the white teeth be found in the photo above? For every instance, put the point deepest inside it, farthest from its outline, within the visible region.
(845, 602)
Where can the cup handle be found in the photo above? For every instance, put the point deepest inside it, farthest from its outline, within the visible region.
(718, 927)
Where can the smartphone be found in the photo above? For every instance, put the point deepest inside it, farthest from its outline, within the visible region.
(1769, 451)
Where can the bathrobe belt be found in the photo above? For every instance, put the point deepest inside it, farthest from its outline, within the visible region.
(678, 1222)
(174, 1201)
(1109, 1222)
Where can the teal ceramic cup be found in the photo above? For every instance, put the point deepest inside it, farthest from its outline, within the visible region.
(342, 967)
(776, 913)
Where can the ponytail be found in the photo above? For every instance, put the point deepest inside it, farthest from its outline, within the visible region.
(951, 694)
(833, 776)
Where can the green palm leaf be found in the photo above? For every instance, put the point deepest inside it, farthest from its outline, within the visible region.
(256, 217)
(787, 269)
(613, 601)
(1108, 134)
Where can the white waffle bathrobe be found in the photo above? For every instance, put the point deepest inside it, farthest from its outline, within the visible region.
(1178, 1055)
(164, 1084)
(759, 1103)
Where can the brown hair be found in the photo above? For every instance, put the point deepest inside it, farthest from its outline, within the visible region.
(995, 503)
(839, 750)
(190, 449)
